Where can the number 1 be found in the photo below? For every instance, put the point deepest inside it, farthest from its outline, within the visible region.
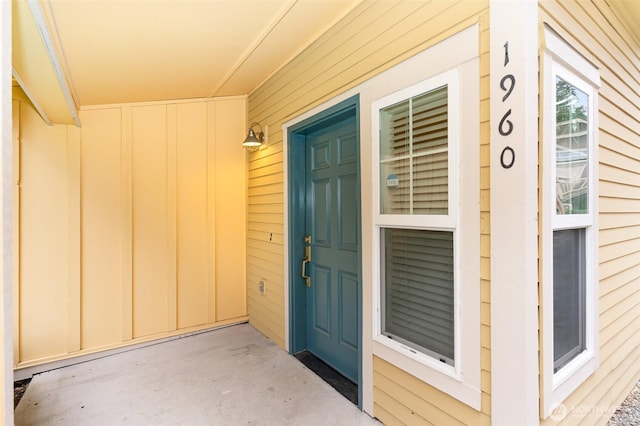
(506, 53)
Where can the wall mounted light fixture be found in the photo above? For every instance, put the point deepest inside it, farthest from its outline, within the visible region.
(253, 141)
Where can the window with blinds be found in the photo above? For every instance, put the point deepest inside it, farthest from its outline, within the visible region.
(414, 155)
(418, 296)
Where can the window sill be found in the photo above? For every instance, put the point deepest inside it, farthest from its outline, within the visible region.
(428, 370)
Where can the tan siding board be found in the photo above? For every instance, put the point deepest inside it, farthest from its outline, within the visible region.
(618, 220)
(401, 413)
(616, 174)
(613, 205)
(622, 156)
(266, 227)
(617, 282)
(266, 208)
(485, 291)
(272, 237)
(614, 122)
(621, 263)
(439, 405)
(485, 336)
(271, 179)
(614, 321)
(621, 342)
(402, 399)
(267, 160)
(385, 417)
(264, 190)
(613, 235)
(272, 198)
(589, 43)
(618, 190)
(268, 170)
(620, 100)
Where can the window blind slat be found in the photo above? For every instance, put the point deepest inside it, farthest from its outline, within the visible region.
(418, 282)
(417, 129)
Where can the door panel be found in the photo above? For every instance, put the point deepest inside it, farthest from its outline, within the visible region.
(332, 221)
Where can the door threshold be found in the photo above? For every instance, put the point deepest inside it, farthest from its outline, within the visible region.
(343, 385)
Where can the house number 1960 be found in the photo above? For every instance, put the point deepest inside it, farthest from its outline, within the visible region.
(505, 127)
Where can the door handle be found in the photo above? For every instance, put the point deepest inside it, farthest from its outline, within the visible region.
(306, 260)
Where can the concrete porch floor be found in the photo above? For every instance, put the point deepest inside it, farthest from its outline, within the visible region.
(230, 376)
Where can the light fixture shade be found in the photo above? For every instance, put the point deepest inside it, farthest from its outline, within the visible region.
(251, 141)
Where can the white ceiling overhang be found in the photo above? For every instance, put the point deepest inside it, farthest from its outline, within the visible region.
(97, 52)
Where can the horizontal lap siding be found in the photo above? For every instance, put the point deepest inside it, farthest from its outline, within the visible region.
(594, 30)
(371, 39)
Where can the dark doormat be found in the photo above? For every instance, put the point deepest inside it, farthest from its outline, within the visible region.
(346, 387)
(19, 388)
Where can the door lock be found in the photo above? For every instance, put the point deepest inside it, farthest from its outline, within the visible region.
(306, 260)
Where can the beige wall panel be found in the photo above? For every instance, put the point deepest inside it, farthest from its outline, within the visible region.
(596, 33)
(193, 289)
(128, 254)
(101, 227)
(150, 221)
(15, 139)
(43, 237)
(230, 220)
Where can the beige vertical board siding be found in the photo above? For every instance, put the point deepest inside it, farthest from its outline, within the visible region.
(372, 38)
(43, 237)
(230, 201)
(594, 31)
(150, 221)
(193, 289)
(131, 228)
(101, 224)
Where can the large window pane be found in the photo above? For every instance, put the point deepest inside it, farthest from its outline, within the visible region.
(569, 269)
(414, 155)
(418, 305)
(572, 149)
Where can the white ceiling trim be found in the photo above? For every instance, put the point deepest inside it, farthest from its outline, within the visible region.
(34, 100)
(41, 23)
(251, 49)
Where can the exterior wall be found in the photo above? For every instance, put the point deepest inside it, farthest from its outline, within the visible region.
(131, 228)
(596, 33)
(371, 39)
(6, 221)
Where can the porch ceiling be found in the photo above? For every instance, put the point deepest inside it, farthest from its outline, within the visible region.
(629, 13)
(145, 50)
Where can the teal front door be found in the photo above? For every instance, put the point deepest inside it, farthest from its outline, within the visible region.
(332, 221)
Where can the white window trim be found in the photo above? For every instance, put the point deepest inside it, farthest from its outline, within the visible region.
(458, 67)
(560, 60)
